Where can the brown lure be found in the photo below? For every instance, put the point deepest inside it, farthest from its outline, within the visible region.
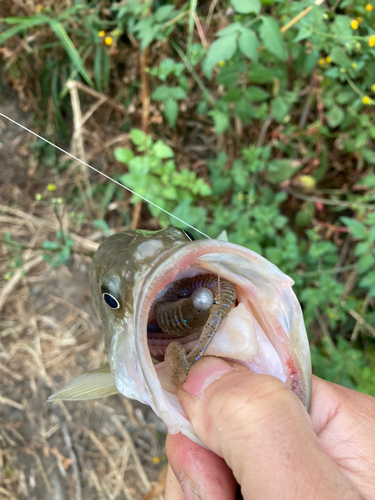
(177, 317)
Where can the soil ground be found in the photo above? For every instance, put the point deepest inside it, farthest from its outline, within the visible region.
(104, 449)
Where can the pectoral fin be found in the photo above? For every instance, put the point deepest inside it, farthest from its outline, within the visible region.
(91, 385)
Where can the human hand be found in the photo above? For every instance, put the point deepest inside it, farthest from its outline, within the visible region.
(262, 438)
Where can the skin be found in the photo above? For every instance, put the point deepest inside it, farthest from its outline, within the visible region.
(262, 438)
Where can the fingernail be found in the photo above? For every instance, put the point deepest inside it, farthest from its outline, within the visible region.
(189, 490)
(203, 373)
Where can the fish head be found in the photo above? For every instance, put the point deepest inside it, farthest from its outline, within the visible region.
(264, 331)
(118, 270)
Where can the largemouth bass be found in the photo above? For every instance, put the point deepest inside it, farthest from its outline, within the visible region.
(224, 300)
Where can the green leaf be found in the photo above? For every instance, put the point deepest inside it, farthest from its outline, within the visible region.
(361, 248)
(365, 263)
(244, 111)
(171, 111)
(368, 181)
(256, 94)
(371, 235)
(281, 170)
(272, 38)
(310, 61)
(356, 228)
(123, 155)
(162, 151)
(248, 44)
(335, 116)
(228, 74)
(221, 121)
(246, 6)
(231, 29)
(345, 96)
(341, 27)
(280, 108)
(170, 193)
(72, 52)
(368, 156)
(340, 58)
(140, 166)
(98, 67)
(50, 245)
(221, 50)
(304, 33)
(304, 215)
(260, 74)
(24, 24)
(233, 95)
(138, 137)
(177, 93)
(274, 255)
(368, 281)
(204, 188)
(161, 93)
(164, 13)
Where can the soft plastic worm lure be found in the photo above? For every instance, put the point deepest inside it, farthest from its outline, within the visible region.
(188, 305)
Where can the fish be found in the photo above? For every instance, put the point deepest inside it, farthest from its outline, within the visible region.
(135, 271)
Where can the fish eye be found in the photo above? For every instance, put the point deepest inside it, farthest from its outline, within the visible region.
(189, 235)
(111, 301)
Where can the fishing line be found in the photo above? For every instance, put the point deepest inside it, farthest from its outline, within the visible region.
(104, 175)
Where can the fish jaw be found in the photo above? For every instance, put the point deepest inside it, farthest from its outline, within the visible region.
(128, 375)
(265, 292)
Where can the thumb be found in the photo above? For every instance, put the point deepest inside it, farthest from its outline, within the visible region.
(262, 431)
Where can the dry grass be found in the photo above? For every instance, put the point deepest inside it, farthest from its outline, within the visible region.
(103, 449)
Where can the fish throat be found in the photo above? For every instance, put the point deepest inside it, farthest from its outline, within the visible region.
(191, 309)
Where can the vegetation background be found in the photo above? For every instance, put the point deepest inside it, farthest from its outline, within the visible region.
(253, 116)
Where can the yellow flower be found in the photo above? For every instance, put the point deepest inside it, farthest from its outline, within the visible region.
(366, 99)
(354, 24)
(373, 87)
(359, 20)
(108, 40)
(38, 196)
(39, 8)
(354, 65)
(101, 33)
(156, 460)
(371, 41)
(321, 61)
(328, 59)
(221, 63)
(369, 7)
(51, 187)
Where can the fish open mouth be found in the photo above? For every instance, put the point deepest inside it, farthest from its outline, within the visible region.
(260, 331)
(158, 340)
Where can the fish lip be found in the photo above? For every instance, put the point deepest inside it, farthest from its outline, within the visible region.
(170, 263)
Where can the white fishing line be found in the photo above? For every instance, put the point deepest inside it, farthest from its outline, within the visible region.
(104, 175)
